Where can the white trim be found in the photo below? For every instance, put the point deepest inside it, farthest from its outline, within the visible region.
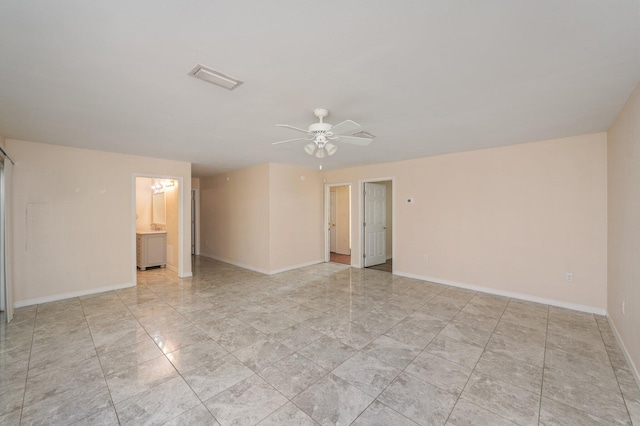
(197, 199)
(292, 267)
(231, 262)
(262, 271)
(181, 237)
(171, 268)
(634, 369)
(187, 275)
(72, 294)
(345, 253)
(521, 296)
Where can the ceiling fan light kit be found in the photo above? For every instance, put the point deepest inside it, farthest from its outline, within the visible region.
(331, 148)
(310, 148)
(323, 135)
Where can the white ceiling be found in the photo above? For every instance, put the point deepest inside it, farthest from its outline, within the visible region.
(426, 77)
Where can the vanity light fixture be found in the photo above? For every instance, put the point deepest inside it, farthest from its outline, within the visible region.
(157, 187)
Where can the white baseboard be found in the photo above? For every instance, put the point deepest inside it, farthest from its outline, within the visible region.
(231, 262)
(292, 267)
(346, 253)
(262, 271)
(61, 296)
(634, 369)
(187, 275)
(521, 296)
(171, 268)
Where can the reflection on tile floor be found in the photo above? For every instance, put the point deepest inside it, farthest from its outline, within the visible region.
(326, 344)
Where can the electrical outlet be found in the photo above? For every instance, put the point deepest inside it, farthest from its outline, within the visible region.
(569, 276)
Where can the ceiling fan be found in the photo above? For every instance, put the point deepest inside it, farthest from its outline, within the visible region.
(321, 135)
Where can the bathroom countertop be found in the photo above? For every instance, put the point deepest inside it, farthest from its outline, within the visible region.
(150, 232)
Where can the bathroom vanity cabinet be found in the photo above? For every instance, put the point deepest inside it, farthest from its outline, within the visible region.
(151, 249)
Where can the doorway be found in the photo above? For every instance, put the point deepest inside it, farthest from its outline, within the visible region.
(377, 224)
(338, 220)
(158, 217)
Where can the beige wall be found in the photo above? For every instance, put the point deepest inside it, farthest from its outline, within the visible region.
(511, 220)
(74, 210)
(296, 207)
(624, 226)
(235, 217)
(265, 218)
(144, 195)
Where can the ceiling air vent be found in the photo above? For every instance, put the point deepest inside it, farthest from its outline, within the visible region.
(364, 134)
(215, 77)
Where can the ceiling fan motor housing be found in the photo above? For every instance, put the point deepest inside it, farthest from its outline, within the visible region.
(319, 127)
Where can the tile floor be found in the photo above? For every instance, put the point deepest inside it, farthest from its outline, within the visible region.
(386, 267)
(326, 344)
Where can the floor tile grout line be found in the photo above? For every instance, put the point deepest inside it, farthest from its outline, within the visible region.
(232, 354)
(104, 376)
(165, 355)
(624, 400)
(582, 380)
(484, 348)
(403, 370)
(177, 371)
(544, 366)
(26, 379)
(358, 351)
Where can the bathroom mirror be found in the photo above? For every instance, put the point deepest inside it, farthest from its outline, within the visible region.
(159, 209)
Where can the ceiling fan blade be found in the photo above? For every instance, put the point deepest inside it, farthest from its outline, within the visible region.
(290, 140)
(347, 126)
(293, 128)
(355, 140)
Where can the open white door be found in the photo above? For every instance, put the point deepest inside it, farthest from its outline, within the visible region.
(375, 224)
(332, 222)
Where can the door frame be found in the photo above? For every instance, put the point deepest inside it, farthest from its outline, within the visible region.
(333, 221)
(327, 216)
(195, 193)
(181, 218)
(361, 205)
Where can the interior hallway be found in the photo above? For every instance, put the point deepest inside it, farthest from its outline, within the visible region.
(238, 347)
